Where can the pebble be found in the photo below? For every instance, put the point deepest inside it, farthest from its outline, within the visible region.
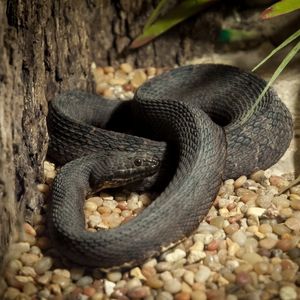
(136, 272)
(108, 287)
(29, 259)
(154, 282)
(189, 277)
(295, 203)
(139, 292)
(43, 265)
(203, 274)
(133, 283)
(138, 78)
(126, 67)
(164, 296)
(293, 223)
(252, 258)
(288, 293)
(84, 281)
(256, 211)
(239, 237)
(198, 295)
(62, 281)
(175, 255)
(172, 286)
(114, 276)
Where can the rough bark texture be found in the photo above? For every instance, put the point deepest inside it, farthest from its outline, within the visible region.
(49, 46)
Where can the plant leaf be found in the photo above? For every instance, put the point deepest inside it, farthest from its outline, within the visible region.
(176, 15)
(282, 45)
(156, 12)
(280, 8)
(278, 71)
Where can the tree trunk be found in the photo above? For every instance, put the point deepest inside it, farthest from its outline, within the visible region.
(49, 46)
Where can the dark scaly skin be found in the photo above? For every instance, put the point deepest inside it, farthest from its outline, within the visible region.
(204, 152)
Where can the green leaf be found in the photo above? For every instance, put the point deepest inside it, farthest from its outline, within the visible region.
(282, 45)
(156, 12)
(280, 8)
(278, 71)
(182, 11)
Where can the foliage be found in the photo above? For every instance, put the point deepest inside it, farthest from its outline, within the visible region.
(179, 13)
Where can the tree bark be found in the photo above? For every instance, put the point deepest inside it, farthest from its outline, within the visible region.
(49, 46)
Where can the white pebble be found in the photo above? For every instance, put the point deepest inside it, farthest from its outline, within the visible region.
(175, 255)
(172, 286)
(114, 276)
(203, 274)
(239, 237)
(255, 211)
(287, 293)
(112, 204)
(108, 287)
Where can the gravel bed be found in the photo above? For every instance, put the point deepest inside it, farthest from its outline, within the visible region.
(248, 246)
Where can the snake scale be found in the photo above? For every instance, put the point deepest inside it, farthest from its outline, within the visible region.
(185, 125)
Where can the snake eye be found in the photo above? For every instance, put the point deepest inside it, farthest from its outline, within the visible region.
(138, 162)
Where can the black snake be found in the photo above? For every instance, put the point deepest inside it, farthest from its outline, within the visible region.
(194, 134)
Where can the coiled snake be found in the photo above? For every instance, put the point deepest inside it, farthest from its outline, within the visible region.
(191, 119)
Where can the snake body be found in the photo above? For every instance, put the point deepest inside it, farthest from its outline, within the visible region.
(192, 120)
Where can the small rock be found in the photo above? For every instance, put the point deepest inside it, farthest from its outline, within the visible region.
(76, 273)
(45, 279)
(139, 292)
(182, 296)
(108, 287)
(239, 237)
(136, 272)
(268, 243)
(62, 281)
(133, 283)
(293, 223)
(255, 211)
(203, 274)
(198, 295)
(29, 259)
(164, 296)
(84, 281)
(114, 276)
(90, 206)
(252, 258)
(29, 229)
(175, 255)
(154, 282)
(126, 67)
(172, 286)
(243, 278)
(43, 265)
(138, 78)
(189, 277)
(288, 293)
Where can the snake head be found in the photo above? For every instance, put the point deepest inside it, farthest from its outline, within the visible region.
(120, 169)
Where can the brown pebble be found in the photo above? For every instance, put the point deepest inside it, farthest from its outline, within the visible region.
(267, 243)
(89, 291)
(243, 278)
(29, 229)
(108, 69)
(182, 296)
(284, 244)
(293, 223)
(240, 181)
(154, 282)
(246, 195)
(139, 292)
(212, 246)
(278, 181)
(138, 78)
(43, 243)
